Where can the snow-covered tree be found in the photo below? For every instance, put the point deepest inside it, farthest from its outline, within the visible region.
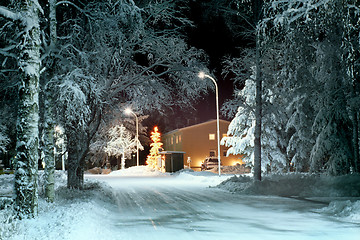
(152, 158)
(119, 53)
(28, 47)
(96, 155)
(316, 80)
(241, 131)
(121, 143)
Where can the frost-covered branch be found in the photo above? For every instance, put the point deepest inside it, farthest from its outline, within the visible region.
(8, 14)
(72, 4)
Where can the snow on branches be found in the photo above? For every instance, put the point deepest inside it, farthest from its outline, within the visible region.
(120, 143)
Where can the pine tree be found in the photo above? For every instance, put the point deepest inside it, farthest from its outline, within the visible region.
(241, 130)
(154, 151)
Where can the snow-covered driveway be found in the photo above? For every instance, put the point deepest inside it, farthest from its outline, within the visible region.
(184, 207)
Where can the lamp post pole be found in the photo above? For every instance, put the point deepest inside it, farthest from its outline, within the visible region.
(129, 111)
(202, 75)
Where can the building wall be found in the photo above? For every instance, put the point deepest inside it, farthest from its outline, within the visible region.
(194, 141)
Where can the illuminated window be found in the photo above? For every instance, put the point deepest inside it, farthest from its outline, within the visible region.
(212, 153)
(211, 136)
(171, 140)
(177, 139)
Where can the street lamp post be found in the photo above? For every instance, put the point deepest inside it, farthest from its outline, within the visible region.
(202, 75)
(129, 111)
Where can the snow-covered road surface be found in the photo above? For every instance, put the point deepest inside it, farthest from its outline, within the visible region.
(172, 207)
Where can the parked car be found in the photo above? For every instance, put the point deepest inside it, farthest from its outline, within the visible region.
(209, 163)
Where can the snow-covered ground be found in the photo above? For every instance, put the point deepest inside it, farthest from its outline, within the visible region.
(138, 203)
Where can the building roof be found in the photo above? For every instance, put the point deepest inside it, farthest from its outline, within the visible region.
(196, 125)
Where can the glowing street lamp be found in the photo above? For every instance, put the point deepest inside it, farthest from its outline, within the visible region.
(202, 75)
(128, 111)
(59, 139)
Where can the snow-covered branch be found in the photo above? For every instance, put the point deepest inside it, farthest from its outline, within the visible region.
(8, 14)
(69, 3)
(6, 52)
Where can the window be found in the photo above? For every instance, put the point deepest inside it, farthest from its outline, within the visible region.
(212, 153)
(211, 136)
(177, 139)
(171, 140)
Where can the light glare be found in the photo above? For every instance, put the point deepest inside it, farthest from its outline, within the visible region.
(201, 75)
(128, 111)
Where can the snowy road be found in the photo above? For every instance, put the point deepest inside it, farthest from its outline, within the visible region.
(174, 208)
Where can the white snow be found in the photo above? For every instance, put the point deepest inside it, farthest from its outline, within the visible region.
(7, 13)
(139, 203)
(137, 171)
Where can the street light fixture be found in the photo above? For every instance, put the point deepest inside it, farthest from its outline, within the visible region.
(128, 111)
(59, 139)
(202, 75)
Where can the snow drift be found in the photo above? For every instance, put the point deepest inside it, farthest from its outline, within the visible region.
(341, 193)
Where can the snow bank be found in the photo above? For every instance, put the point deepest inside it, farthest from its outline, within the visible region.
(204, 178)
(345, 210)
(297, 184)
(185, 176)
(342, 193)
(60, 220)
(139, 171)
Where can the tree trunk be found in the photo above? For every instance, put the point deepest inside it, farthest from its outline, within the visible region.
(258, 116)
(123, 160)
(78, 146)
(75, 162)
(355, 121)
(257, 8)
(350, 22)
(27, 128)
(49, 157)
(49, 143)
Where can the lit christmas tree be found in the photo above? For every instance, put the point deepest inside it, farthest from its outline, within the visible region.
(152, 158)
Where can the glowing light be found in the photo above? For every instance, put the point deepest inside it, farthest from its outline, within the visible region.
(128, 111)
(154, 150)
(58, 129)
(201, 75)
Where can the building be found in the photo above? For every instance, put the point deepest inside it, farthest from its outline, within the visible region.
(198, 142)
